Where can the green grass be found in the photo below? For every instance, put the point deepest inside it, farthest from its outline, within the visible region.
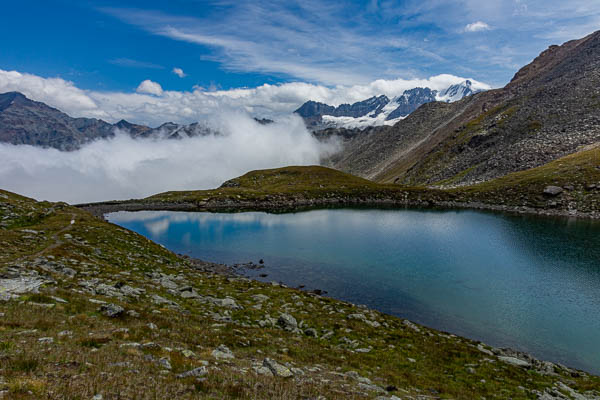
(94, 357)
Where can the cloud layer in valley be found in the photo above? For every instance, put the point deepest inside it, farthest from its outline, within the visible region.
(122, 168)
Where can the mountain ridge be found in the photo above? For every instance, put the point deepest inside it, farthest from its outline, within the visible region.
(319, 116)
(547, 111)
(30, 122)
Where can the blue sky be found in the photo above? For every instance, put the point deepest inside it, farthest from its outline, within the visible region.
(113, 45)
(109, 47)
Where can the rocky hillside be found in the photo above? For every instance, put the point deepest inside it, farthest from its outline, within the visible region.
(91, 310)
(550, 109)
(24, 121)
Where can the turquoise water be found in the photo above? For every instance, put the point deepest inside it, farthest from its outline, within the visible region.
(528, 283)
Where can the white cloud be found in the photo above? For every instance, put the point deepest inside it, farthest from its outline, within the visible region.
(122, 168)
(149, 87)
(155, 106)
(308, 40)
(179, 72)
(477, 27)
(56, 92)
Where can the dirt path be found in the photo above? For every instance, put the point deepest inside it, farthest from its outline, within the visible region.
(56, 238)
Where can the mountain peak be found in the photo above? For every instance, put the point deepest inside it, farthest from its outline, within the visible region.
(8, 98)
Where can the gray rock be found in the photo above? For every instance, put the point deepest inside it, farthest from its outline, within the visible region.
(11, 288)
(411, 325)
(226, 302)
(168, 284)
(277, 369)
(287, 322)
(189, 294)
(311, 332)
(156, 299)
(131, 291)
(358, 316)
(482, 349)
(262, 370)
(260, 298)
(222, 353)
(58, 299)
(111, 310)
(553, 190)
(200, 371)
(165, 363)
(515, 361)
(371, 388)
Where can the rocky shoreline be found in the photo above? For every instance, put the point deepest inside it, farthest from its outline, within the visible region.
(505, 354)
(295, 205)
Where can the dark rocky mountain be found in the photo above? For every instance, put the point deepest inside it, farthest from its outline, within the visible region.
(133, 129)
(410, 101)
(24, 121)
(550, 109)
(312, 111)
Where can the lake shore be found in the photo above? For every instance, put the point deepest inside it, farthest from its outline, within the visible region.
(140, 319)
(294, 204)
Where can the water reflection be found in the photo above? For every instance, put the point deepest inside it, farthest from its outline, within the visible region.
(528, 283)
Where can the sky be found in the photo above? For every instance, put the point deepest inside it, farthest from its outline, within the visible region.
(156, 61)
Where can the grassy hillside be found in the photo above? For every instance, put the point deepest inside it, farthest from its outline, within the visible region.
(107, 312)
(578, 175)
(293, 187)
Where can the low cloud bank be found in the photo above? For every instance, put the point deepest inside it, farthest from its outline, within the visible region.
(152, 105)
(123, 168)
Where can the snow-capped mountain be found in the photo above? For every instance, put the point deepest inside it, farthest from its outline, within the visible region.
(379, 110)
(457, 92)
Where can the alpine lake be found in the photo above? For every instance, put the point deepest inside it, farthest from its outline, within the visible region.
(529, 283)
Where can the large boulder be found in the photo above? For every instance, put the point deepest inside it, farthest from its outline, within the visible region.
(553, 190)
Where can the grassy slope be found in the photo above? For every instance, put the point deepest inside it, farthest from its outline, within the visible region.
(525, 188)
(310, 182)
(90, 358)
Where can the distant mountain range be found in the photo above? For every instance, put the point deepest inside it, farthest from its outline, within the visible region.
(24, 121)
(551, 108)
(379, 110)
